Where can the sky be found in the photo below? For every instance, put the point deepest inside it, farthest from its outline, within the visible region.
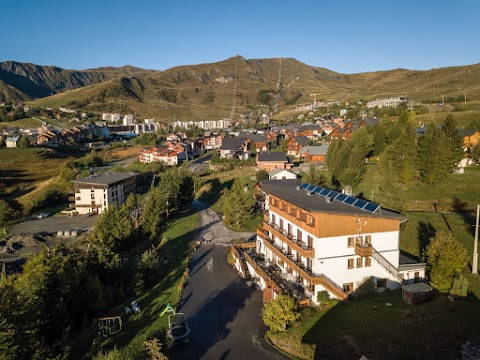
(343, 36)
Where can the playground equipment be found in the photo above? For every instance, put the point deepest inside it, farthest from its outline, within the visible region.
(109, 325)
(178, 329)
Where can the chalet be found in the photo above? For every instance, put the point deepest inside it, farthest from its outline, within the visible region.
(12, 142)
(49, 138)
(314, 153)
(213, 141)
(471, 138)
(323, 240)
(295, 143)
(269, 161)
(260, 141)
(234, 148)
(310, 131)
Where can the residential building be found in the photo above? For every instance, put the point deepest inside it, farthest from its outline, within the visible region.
(327, 241)
(314, 153)
(234, 148)
(387, 103)
(269, 161)
(11, 142)
(281, 174)
(295, 143)
(471, 138)
(96, 193)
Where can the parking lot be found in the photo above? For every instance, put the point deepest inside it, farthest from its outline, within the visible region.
(53, 224)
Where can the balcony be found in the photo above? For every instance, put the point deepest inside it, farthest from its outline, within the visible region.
(73, 198)
(290, 240)
(301, 270)
(363, 250)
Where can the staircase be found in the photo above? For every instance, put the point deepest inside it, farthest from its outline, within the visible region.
(387, 265)
(331, 286)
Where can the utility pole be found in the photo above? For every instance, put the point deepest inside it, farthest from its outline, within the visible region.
(475, 245)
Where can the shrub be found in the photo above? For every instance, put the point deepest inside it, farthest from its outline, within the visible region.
(280, 313)
(460, 286)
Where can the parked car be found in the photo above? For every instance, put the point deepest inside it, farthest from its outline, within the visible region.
(42, 215)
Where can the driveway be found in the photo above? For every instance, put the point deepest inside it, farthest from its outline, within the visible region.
(223, 313)
(212, 227)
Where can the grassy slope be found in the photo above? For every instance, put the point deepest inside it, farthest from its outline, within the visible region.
(23, 169)
(138, 328)
(208, 90)
(27, 123)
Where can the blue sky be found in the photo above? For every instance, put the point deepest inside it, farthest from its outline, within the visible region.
(343, 36)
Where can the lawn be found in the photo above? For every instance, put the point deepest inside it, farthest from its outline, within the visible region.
(416, 232)
(180, 234)
(434, 330)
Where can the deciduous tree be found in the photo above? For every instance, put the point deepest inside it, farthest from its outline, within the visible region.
(280, 313)
(446, 258)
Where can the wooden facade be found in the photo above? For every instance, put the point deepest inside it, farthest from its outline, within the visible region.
(323, 224)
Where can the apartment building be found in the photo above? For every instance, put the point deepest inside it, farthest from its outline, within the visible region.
(96, 193)
(325, 240)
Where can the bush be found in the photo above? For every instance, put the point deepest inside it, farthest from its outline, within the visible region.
(322, 297)
(460, 286)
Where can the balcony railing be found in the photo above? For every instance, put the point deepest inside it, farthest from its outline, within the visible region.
(290, 240)
(363, 250)
(302, 271)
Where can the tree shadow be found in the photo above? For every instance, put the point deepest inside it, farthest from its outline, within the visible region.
(360, 327)
(468, 216)
(426, 232)
(208, 321)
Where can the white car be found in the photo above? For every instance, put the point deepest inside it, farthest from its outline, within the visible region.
(42, 215)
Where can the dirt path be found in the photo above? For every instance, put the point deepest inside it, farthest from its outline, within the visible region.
(212, 227)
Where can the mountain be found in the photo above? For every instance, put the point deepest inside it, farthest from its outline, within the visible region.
(227, 88)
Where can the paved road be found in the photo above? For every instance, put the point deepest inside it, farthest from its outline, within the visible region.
(223, 312)
(199, 165)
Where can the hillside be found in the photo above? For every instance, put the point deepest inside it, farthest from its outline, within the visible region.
(232, 87)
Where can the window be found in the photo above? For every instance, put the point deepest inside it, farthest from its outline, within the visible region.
(348, 288)
(351, 242)
(350, 263)
(368, 261)
(299, 235)
(92, 196)
(368, 239)
(310, 241)
(359, 262)
(311, 220)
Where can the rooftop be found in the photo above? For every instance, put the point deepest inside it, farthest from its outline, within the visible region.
(105, 179)
(272, 156)
(291, 191)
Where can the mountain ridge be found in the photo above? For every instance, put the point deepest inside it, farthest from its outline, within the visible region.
(226, 88)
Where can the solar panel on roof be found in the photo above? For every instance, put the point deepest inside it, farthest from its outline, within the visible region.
(371, 207)
(310, 187)
(304, 186)
(341, 197)
(317, 190)
(350, 200)
(324, 191)
(360, 203)
(333, 194)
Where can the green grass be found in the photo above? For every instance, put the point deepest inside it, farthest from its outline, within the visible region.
(398, 332)
(415, 233)
(138, 328)
(28, 123)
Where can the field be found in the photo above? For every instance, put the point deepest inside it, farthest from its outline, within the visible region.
(140, 327)
(27, 123)
(25, 169)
